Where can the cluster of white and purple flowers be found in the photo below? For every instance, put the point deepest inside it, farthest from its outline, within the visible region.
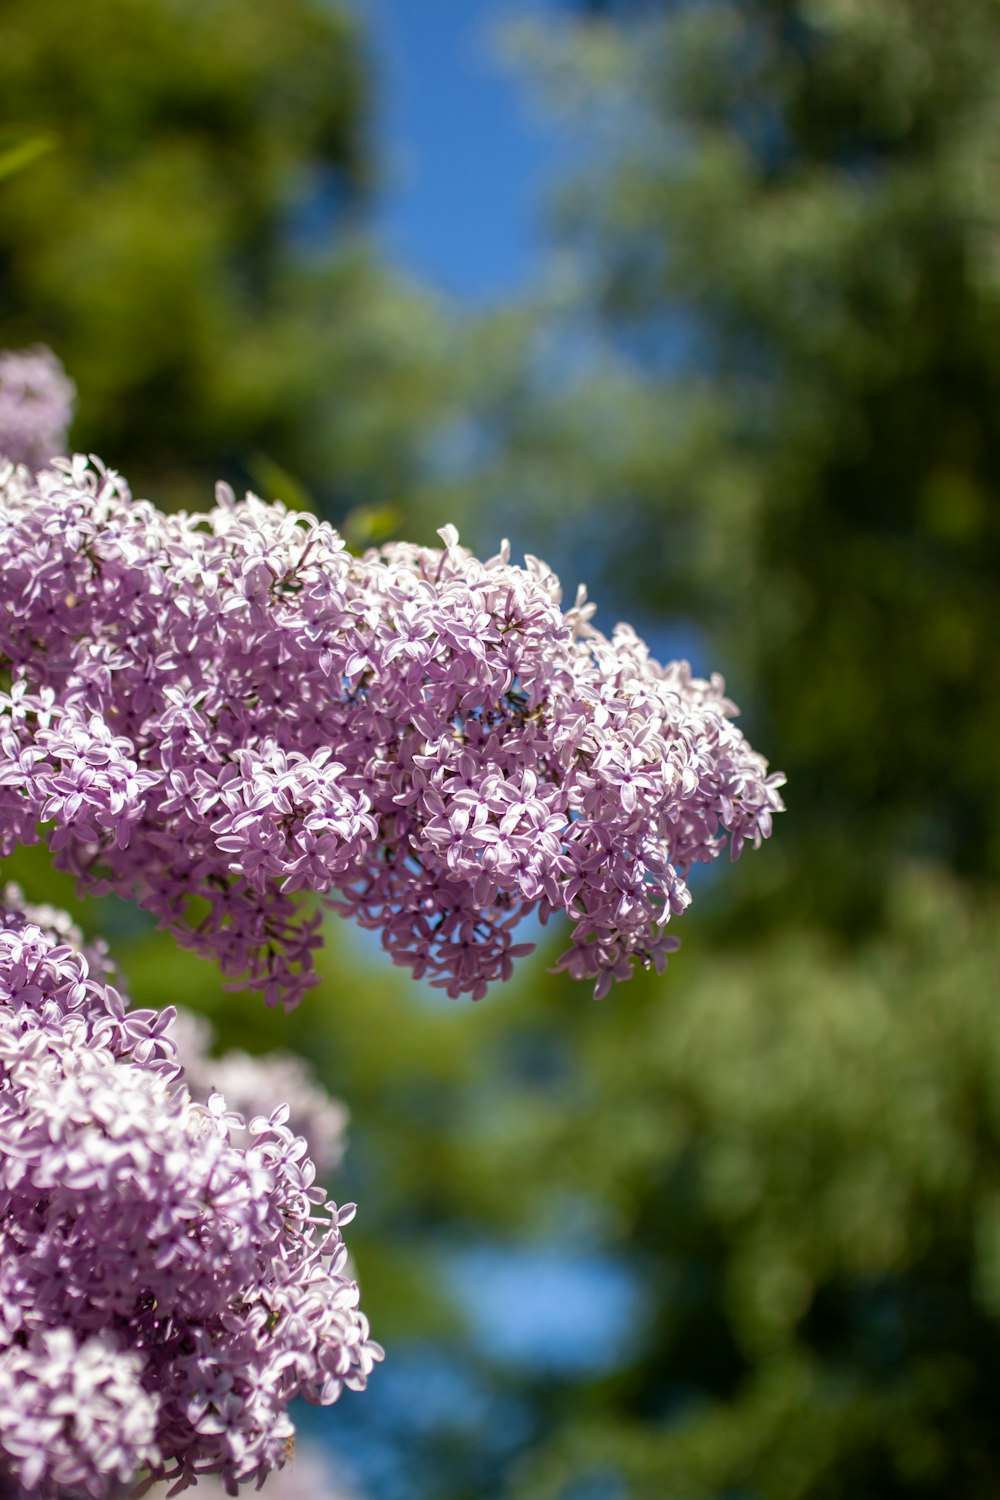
(221, 715)
(214, 713)
(171, 1275)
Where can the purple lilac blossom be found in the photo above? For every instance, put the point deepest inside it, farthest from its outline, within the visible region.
(214, 713)
(164, 1291)
(36, 406)
(251, 1084)
(254, 1084)
(307, 1476)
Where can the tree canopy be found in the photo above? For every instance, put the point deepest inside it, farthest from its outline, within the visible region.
(190, 241)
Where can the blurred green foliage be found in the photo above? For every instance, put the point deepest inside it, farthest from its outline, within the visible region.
(191, 244)
(762, 397)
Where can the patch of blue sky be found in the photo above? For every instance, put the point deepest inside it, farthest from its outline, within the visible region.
(466, 158)
(549, 1309)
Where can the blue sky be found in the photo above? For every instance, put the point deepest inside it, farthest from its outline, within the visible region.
(465, 158)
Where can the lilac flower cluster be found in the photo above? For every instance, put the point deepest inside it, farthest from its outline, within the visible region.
(164, 1291)
(36, 406)
(217, 712)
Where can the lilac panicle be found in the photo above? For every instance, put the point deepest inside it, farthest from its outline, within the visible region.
(36, 406)
(169, 1278)
(228, 706)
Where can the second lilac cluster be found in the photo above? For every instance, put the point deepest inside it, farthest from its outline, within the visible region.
(36, 405)
(215, 712)
(170, 1278)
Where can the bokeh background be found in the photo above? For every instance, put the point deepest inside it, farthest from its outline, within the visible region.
(701, 301)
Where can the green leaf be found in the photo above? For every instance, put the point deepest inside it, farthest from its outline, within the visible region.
(25, 153)
(275, 482)
(367, 525)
